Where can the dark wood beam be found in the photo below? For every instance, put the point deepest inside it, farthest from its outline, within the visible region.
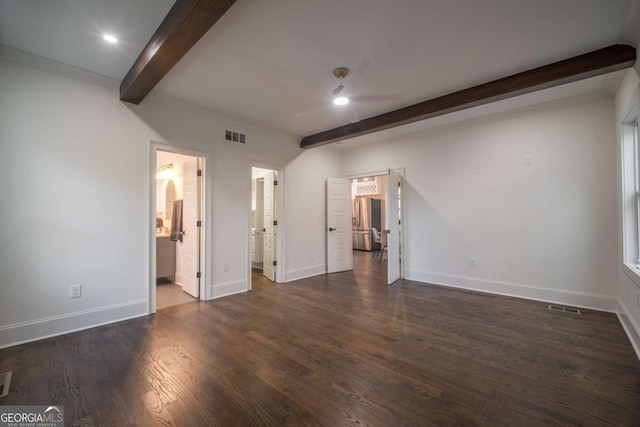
(184, 25)
(602, 61)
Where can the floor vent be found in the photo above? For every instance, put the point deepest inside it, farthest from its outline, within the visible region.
(5, 380)
(563, 308)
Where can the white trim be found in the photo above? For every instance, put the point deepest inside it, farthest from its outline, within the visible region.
(303, 273)
(228, 288)
(518, 290)
(20, 333)
(630, 327)
(632, 273)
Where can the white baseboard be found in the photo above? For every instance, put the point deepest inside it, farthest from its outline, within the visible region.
(538, 293)
(229, 288)
(303, 273)
(630, 326)
(24, 332)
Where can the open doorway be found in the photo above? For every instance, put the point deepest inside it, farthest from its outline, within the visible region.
(178, 240)
(368, 224)
(373, 202)
(265, 242)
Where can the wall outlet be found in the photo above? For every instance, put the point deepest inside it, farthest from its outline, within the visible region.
(75, 291)
(473, 263)
(226, 266)
(528, 161)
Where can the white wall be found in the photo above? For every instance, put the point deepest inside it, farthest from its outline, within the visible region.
(545, 231)
(75, 207)
(305, 184)
(629, 281)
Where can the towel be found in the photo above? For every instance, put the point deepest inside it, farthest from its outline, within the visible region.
(176, 222)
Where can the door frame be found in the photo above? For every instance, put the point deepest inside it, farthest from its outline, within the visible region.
(206, 202)
(279, 240)
(403, 208)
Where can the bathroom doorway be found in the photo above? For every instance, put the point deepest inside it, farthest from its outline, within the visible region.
(266, 184)
(178, 219)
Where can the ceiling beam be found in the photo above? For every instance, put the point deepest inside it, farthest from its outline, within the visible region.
(602, 61)
(184, 25)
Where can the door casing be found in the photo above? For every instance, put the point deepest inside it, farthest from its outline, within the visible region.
(279, 239)
(206, 231)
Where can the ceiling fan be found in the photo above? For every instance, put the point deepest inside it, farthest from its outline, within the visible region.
(340, 96)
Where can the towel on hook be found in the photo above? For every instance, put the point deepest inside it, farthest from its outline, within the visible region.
(176, 222)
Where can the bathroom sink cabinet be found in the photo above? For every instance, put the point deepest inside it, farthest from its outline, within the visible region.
(165, 257)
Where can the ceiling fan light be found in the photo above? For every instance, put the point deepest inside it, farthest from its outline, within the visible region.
(341, 100)
(110, 39)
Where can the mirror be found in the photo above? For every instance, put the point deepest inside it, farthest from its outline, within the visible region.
(170, 196)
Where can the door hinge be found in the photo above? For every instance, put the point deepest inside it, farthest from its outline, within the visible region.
(275, 222)
(199, 224)
(275, 182)
(199, 172)
(198, 275)
(275, 263)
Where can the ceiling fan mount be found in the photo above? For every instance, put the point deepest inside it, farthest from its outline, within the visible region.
(340, 98)
(341, 72)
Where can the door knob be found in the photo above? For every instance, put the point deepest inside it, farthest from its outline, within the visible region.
(332, 229)
(264, 229)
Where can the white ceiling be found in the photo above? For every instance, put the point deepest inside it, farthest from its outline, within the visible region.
(70, 31)
(267, 61)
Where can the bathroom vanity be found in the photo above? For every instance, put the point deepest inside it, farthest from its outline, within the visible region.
(165, 257)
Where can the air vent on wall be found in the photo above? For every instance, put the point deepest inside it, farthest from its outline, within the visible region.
(238, 137)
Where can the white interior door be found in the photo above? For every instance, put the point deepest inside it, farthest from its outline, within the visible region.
(188, 252)
(393, 226)
(269, 216)
(339, 243)
(259, 241)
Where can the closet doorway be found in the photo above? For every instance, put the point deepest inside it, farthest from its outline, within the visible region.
(265, 247)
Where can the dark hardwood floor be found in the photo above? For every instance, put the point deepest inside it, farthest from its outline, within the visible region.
(336, 350)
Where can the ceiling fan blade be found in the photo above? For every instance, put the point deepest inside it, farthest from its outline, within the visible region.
(357, 74)
(376, 98)
(353, 115)
(337, 90)
(312, 110)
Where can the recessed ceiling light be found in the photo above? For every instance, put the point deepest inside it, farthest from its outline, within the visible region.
(109, 38)
(341, 100)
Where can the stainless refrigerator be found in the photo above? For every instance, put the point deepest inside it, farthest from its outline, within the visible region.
(366, 213)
